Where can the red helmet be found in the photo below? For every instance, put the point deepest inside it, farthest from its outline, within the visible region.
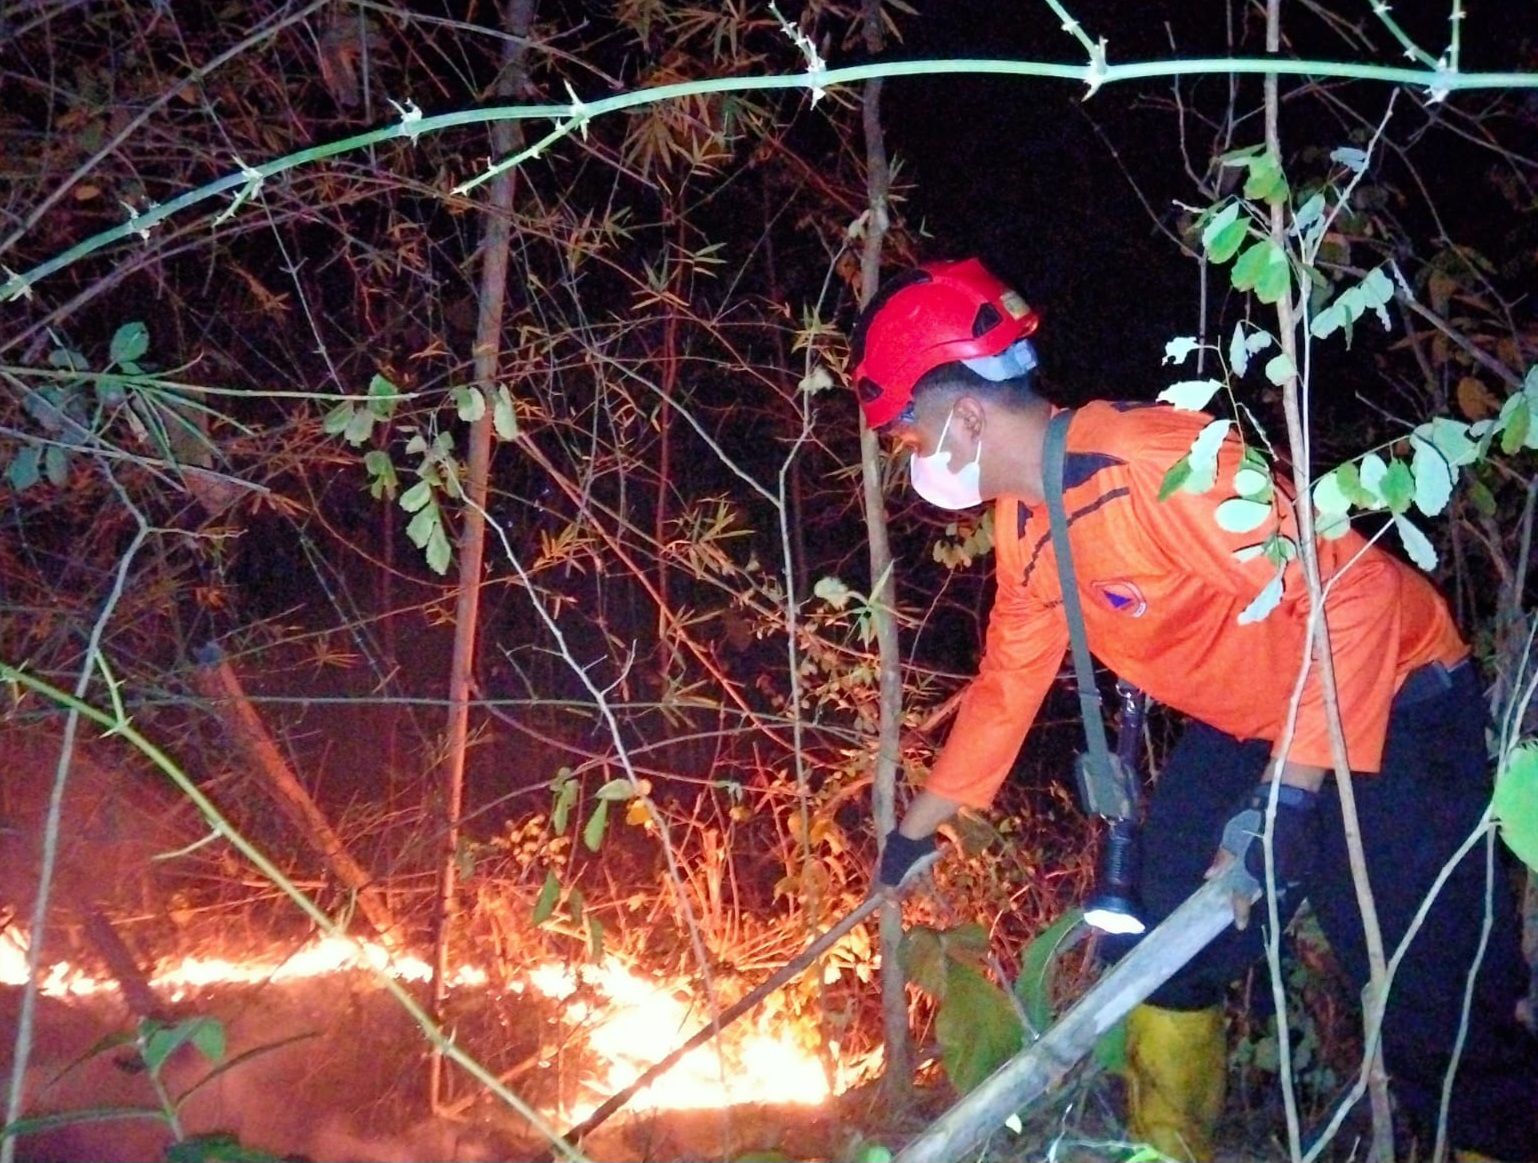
(934, 314)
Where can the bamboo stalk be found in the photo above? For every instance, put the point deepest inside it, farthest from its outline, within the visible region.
(1041, 1067)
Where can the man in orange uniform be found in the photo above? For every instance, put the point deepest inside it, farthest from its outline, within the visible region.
(942, 362)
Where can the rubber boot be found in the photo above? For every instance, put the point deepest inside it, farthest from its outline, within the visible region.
(1177, 1077)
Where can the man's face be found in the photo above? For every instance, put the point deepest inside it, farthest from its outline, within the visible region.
(939, 423)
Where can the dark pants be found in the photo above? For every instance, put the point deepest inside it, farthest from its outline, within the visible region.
(1432, 791)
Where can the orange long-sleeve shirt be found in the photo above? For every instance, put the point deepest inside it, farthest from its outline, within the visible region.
(1162, 589)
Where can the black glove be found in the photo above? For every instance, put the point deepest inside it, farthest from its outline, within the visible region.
(898, 856)
(1294, 845)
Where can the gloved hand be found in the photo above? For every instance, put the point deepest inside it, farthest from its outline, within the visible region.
(1294, 844)
(899, 854)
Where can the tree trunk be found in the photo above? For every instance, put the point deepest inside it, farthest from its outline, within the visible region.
(894, 998)
(517, 17)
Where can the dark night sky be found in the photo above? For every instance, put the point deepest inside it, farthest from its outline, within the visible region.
(1021, 170)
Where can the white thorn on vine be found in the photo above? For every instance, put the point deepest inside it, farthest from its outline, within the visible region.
(410, 115)
(815, 65)
(1097, 70)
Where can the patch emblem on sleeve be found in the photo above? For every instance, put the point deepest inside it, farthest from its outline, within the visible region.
(1122, 596)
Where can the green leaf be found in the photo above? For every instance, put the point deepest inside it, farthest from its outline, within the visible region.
(1176, 477)
(383, 396)
(68, 360)
(438, 552)
(565, 799)
(1450, 438)
(1038, 969)
(1371, 474)
(923, 959)
(1219, 230)
(504, 419)
(1176, 350)
(129, 342)
(158, 1041)
(470, 402)
(1353, 159)
(1307, 214)
(56, 465)
(338, 420)
(1326, 323)
(1204, 456)
(1275, 281)
(1279, 549)
(544, 904)
(1251, 265)
(360, 427)
(592, 831)
(1415, 543)
(1482, 498)
(1241, 515)
(1267, 600)
(381, 471)
(1398, 486)
(24, 470)
(1433, 478)
(617, 789)
(416, 497)
(215, 1147)
(1349, 479)
(1265, 182)
(1191, 395)
(421, 528)
(1279, 368)
(576, 906)
(1253, 483)
(1518, 419)
(208, 1037)
(1226, 242)
(1329, 497)
(1516, 802)
(976, 1027)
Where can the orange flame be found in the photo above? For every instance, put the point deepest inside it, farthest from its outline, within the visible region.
(638, 1022)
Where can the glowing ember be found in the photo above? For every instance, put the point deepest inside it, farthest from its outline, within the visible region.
(641, 1020)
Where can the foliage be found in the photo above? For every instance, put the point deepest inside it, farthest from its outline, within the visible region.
(152, 1045)
(975, 1023)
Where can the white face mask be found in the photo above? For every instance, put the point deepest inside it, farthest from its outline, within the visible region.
(934, 480)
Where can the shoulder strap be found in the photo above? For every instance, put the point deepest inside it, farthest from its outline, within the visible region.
(1089, 693)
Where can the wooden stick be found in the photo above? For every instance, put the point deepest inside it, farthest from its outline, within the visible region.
(217, 681)
(1038, 1069)
(789, 972)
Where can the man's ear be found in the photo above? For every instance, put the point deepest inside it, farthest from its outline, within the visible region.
(970, 416)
